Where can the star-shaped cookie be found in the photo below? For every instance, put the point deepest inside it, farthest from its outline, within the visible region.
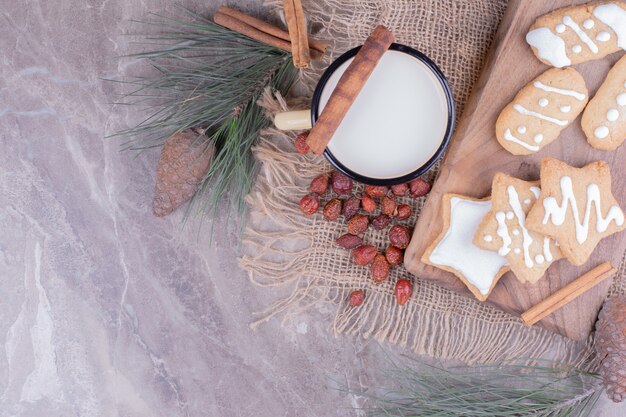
(576, 207)
(453, 250)
(503, 229)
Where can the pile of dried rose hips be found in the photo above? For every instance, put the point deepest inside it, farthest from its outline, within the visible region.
(377, 207)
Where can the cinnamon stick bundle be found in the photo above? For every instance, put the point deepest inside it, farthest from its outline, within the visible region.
(348, 88)
(263, 31)
(296, 23)
(568, 293)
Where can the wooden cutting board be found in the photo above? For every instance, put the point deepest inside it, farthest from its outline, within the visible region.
(474, 156)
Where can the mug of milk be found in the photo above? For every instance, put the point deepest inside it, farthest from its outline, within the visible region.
(399, 124)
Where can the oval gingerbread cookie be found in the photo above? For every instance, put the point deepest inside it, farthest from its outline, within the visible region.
(604, 119)
(541, 110)
(576, 34)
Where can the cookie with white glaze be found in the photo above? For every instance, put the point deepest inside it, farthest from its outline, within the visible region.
(541, 110)
(503, 229)
(576, 207)
(604, 119)
(576, 34)
(454, 251)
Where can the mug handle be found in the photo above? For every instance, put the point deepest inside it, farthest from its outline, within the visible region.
(293, 120)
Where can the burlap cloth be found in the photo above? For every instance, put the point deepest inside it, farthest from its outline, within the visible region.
(283, 248)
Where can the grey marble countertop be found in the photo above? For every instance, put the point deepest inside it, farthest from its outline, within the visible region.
(104, 309)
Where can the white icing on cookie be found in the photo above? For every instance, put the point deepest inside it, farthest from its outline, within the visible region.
(536, 191)
(522, 110)
(521, 129)
(614, 17)
(515, 232)
(521, 220)
(601, 132)
(563, 91)
(612, 115)
(581, 34)
(539, 259)
(621, 98)
(457, 251)
(589, 23)
(527, 201)
(565, 109)
(503, 232)
(560, 28)
(517, 251)
(509, 136)
(603, 37)
(488, 238)
(550, 47)
(543, 102)
(577, 49)
(546, 249)
(538, 138)
(556, 213)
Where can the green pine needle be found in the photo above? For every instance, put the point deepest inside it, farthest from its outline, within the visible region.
(207, 77)
(507, 389)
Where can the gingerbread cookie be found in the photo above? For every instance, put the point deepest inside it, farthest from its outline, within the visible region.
(576, 34)
(453, 250)
(575, 207)
(604, 119)
(540, 110)
(503, 229)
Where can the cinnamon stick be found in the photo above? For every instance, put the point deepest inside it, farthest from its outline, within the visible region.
(263, 31)
(296, 23)
(569, 292)
(349, 87)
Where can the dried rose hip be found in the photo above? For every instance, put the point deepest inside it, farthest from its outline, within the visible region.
(349, 241)
(351, 207)
(400, 189)
(399, 236)
(388, 205)
(381, 221)
(403, 291)
(375, 191)
(358, 224)
(419, 187)
(356, 298)
(332, 209)
(403, 212)
(300, 143)
(363, 255)
(380, 268)
(394, 255)
(341, 184)
(309, 204)
(319, 185)
(368, 203)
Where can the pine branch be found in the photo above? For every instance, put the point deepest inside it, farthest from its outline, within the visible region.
(206, 77)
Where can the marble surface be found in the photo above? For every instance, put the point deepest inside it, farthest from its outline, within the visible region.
(104, 309)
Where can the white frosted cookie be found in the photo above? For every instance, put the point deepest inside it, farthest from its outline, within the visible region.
(576, 207)
(604, 119)
(453, 250)
(576, 34)
(503, 229)
(538, 113)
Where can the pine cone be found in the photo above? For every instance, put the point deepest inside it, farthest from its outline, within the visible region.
(185, 158)
(611, 346)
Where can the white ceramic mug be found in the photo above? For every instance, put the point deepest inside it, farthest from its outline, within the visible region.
(398, 126)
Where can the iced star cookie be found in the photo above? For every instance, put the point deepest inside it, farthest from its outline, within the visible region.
(575, 207)
(503, 229)
(604, 119)
(541, 110)
(453, 250)
(576, 34)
